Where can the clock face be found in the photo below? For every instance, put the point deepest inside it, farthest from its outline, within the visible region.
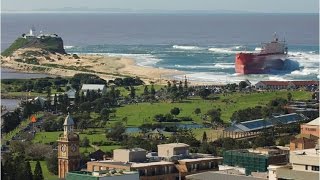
(63, 148)
(73, 147)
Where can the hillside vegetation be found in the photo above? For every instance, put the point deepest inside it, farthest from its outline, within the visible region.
(51, 44)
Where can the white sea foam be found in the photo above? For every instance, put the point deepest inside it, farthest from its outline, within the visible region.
(207, 66)
(277, 78)
(183, 47)
(231, 50)
(224, 65)
(68, 47)
(257, 49)
(305, 72)
(305, 59)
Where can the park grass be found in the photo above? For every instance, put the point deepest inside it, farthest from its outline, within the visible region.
(142, 113)
(212, 134)
(46, 174)
(138, 89)
(50, 137)
(87, 150)
(109, 148)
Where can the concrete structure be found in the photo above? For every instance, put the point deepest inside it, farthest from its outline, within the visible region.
(174, 162)
(213, 175)
(303, 141)
(304, 164)
(311, 127)
(102, 175)
(173, 149)
(68, 149)
(93, 87)
(308, 137)
(256, 160)
(129, 155)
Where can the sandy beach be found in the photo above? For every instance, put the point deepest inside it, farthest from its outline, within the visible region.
(68, 65)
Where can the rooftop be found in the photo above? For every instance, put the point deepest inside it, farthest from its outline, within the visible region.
(93, 86)
(135, 165)
(175, 145)
(306, 152)
(315, 122)
(131, 150)
(259, 124)
(118, 163)
(219, 175)
(199, 159)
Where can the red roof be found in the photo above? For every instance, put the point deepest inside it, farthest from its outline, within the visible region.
(305, 83)
(275, 83)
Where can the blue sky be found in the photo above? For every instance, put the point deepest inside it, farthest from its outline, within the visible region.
(271, 6)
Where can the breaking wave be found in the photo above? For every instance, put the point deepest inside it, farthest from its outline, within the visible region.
(186, 47)
(68, 47)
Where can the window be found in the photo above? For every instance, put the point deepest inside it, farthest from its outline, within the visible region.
(315, 168)
(306, 167)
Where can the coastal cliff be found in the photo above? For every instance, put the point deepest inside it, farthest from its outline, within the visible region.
(47, 43)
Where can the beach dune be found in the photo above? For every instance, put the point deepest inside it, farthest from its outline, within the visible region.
(33, 60)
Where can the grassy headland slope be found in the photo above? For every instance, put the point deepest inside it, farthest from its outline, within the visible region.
(51, 44)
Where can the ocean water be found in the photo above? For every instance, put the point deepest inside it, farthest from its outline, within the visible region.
(201, 45)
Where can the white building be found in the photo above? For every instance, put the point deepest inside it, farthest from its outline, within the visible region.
(304, 164)
(94, 87)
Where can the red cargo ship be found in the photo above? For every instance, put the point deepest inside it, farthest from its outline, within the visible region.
(271, 57)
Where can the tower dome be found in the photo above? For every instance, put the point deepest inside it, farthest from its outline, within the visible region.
(68, 125)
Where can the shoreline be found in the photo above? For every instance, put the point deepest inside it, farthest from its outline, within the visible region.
(106, 67)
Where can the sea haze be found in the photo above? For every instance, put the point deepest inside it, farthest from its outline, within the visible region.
(202, 45)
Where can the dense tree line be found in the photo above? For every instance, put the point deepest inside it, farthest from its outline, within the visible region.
(10, 121)
(78, 79)
(127, 81)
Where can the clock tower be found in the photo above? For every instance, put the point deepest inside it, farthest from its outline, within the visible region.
(68, 148)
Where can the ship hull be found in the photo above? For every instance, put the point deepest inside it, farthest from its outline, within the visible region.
(251, 63)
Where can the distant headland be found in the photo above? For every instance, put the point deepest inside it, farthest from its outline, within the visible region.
(45, 53)
(49, 42)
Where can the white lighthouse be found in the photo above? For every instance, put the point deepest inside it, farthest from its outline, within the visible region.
(32, 30)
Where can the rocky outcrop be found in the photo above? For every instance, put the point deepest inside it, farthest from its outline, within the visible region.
(48, 43)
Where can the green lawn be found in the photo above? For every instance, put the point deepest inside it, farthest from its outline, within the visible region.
(211, 133)
(139, 89)
(46, 174)
(109, 148)
(138, 114)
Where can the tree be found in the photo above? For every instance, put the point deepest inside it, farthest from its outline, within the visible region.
(152, 91)
(215, 115)
(10, 121)
(242, 85)
(289, 96)
(175, 111)
(132, 92)
(105, 113)
(146, 91)
(125, 120)
(38, 172)
(197, 111)
(52, 162)
(204, 93)
(27, 171)
(116, 132)
(85, 142)
(204, 137)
